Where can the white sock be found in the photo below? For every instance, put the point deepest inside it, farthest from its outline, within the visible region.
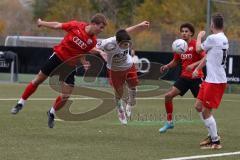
(118, 103)
(52, 110)
(169, 122)
(132, 96)
(21, 101)
(201, 117)
(210, 123)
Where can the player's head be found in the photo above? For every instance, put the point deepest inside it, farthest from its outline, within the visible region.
(98, 22)
(123, 39)
(187, 31)
(217, 22)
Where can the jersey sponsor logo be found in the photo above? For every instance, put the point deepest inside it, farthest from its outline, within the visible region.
(186, 56)
(190, 49)
(79, 42)
(89, 41)
(207, 102)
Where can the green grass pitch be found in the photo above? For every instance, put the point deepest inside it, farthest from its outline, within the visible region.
(26, 135)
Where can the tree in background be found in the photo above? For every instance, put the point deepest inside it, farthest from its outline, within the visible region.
(231, 17)
(14, 19)
(2, 26)
(41, 7)
(165, 17)
(121, 13)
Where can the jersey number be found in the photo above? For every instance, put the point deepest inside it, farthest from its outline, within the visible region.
(224, 57)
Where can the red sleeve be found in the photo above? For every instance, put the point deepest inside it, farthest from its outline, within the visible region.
(68, 25)
(176, 56)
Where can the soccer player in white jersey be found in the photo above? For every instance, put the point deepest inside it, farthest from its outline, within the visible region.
(120, 67)
(212, 89)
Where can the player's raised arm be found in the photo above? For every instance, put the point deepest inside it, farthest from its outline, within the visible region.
(201, 34)
(53, 25)
(138, 27)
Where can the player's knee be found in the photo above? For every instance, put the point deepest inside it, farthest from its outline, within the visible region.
(36, 83)
(168, 97)
(206, 113)
(65, 98)
(198, 106)
(39, 79)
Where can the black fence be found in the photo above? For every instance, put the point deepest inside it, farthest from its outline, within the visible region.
(31, 59)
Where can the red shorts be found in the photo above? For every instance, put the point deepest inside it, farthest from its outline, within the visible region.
(118, 78)
(211, 94)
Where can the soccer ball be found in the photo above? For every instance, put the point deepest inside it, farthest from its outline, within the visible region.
(179, 46)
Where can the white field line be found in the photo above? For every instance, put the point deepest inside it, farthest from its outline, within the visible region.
(87, 98)
(204, 156)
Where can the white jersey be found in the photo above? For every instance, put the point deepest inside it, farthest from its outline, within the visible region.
(117, 59)
(216, 47)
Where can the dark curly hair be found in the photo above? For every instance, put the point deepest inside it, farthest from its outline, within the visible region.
(189, 26)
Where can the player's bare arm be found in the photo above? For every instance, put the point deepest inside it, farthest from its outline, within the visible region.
(100, 52)
(171, 64)
(53, 25)
(138, 28)
(201, 34)
(200, 66)
(192, 66)
(95, 50)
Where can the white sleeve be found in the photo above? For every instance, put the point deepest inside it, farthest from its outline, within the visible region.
(208, 43)
(101, 44)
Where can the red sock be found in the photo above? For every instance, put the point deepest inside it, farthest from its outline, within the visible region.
(29, 90)
(169, 110)
(59, 103)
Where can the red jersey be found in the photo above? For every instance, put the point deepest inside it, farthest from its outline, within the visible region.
(190, 57)
(76, 42)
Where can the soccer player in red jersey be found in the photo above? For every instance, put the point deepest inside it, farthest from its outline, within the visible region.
(212, 89)
(188, 61)
(80, 38)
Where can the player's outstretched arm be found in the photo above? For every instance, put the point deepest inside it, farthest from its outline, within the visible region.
(201, 34)
(138, 27)
(171, 64)
(100, 52)
(193, 65)
(53, 25)
(200, 66)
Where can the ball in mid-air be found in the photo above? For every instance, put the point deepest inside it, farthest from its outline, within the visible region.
(179, 46)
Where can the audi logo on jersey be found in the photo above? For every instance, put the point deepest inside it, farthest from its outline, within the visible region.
(79, 42)
(186, 56)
